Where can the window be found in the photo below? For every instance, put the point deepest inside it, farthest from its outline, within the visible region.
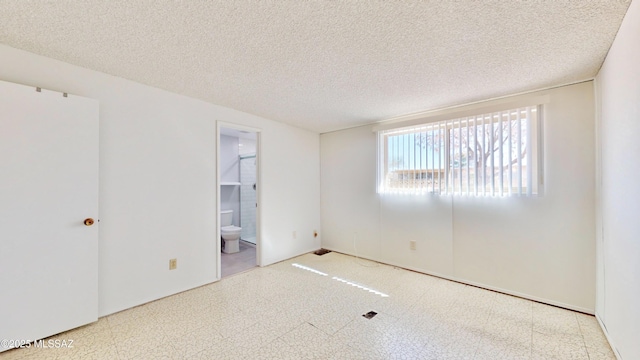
(493, 154)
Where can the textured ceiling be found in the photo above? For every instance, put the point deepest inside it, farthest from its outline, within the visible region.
(324, 65)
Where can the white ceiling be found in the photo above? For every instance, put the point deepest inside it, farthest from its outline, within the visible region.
(324, 65)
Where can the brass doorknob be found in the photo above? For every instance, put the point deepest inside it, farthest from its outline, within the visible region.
(88, 221)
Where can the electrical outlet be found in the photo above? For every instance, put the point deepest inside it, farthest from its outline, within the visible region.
(173, 264)
(295, 235)
(412, 244)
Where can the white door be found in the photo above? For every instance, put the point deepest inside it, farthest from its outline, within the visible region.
(48, 187)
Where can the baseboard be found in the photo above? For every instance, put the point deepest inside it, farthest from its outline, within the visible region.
(289, 256)
(476, 284)
(248, 243)
(606, 334)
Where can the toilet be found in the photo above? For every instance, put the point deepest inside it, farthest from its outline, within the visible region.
(230, 234)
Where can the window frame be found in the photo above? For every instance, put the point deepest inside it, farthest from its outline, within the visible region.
(501, 183)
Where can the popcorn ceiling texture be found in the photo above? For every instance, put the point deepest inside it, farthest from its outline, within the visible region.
(324, 65)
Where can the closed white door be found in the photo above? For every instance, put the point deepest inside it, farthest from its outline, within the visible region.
(48, 187)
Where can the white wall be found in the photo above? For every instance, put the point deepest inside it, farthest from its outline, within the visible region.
(229, 159)
(158, 181)
(618, 90)
(230, 172)
(248, 146)
(541, 247)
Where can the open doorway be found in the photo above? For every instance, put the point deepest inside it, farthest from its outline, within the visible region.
(238, 212)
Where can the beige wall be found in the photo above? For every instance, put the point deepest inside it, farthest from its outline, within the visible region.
(539, 247)
(618, 99)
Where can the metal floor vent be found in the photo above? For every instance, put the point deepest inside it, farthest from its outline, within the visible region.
(370, 314)
(321, 252)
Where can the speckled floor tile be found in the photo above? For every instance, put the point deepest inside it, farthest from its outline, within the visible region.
(129, 315)
(287, 312)
(14, 354)
(220, 351)
(331, 322)
(553, 320)
(601, 353)
(502, 347)
(252, 337)
(310, 342)
(558, 346)
(275, 349)
(191, 341)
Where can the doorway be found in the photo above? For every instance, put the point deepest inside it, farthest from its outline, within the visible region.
(238, 241)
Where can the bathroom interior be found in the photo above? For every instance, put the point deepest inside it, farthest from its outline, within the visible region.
(238, 200)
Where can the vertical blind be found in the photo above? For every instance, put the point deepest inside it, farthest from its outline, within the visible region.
(494, 154)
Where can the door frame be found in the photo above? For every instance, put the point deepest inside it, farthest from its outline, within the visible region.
(219, 125)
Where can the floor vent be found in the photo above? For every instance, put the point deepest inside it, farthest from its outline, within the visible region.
(370, 314)
(321, 252)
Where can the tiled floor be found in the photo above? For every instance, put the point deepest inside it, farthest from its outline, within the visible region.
(288, 312)
(243, 260)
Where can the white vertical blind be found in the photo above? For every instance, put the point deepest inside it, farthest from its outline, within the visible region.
(510, 155)
(459, 162)
(491, 146)
(529, 155)
(519, 142)
(483, 155)
(500, 153)
(440, 142)
(422, 134)
(475, 151)
(467, 155)
(483, 160)
(443, 131)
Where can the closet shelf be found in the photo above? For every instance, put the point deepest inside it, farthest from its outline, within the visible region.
(229, 183)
